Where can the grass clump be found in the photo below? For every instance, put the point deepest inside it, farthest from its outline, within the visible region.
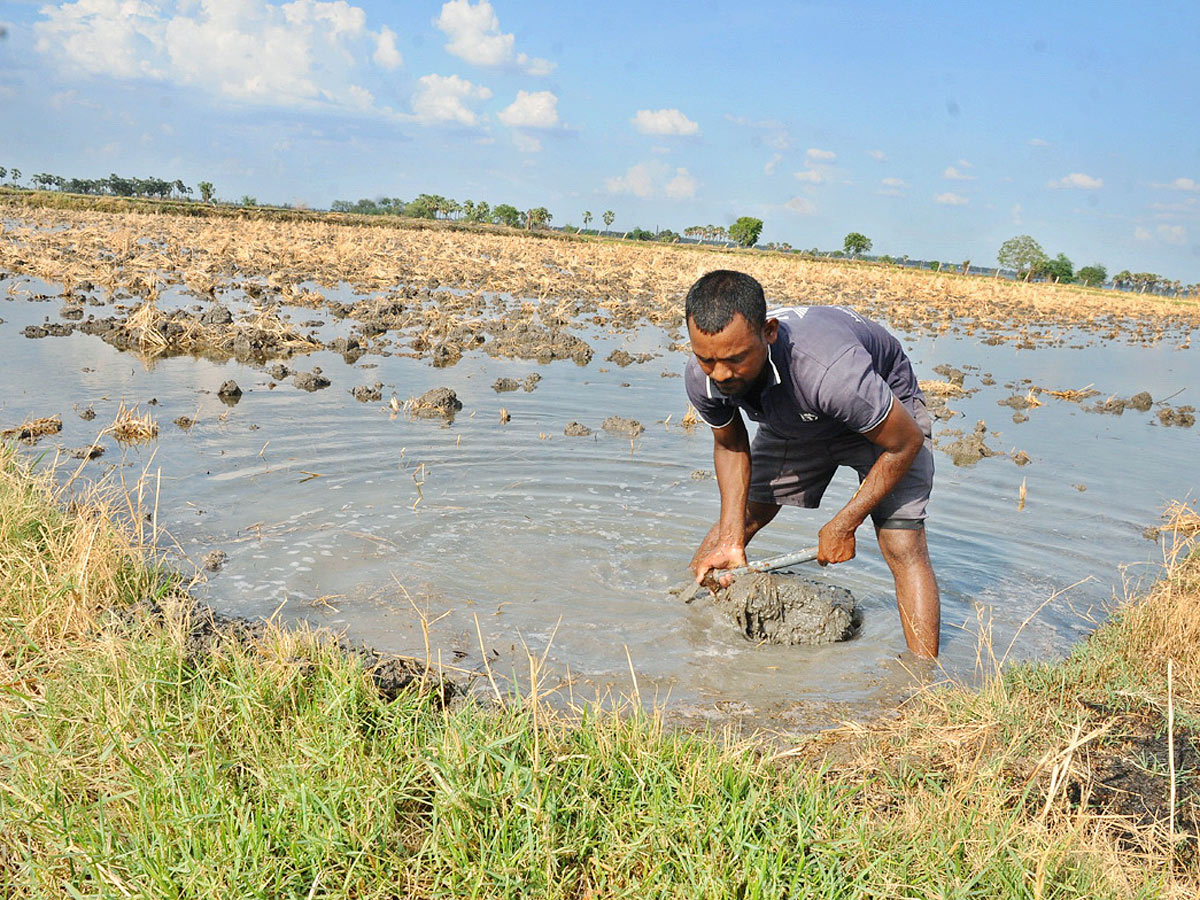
(137, 762)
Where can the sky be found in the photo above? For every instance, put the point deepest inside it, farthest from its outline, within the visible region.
(937, 129)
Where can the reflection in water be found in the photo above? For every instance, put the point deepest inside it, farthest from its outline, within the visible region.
(347, 515)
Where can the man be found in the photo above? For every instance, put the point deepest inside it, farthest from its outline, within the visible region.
(827, 388)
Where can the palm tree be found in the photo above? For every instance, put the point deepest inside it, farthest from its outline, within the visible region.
(608, 217)
(587, 218)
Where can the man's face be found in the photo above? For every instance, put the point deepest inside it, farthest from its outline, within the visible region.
(735, 356)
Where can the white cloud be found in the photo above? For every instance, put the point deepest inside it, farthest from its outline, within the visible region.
(1184, 184)
(953, 174)
(818, 155)
(537, 109)
(664, 121)
(305, 53)
(1141, 234)
(637, 181)
(446, 98)
(527, 143)
(892, 187)
(775, 137)
(1172, 234)
(1015, 213)
(877, 155)
(653, 179)
(386, 54)
(812, 176)
(949, 199)
(801, 205)
(475, 36)
(1038, 142)
(1077, 180)
(682, 186)
(773, 164)
(893, 182)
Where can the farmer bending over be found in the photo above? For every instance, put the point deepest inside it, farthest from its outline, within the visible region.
(827, 388)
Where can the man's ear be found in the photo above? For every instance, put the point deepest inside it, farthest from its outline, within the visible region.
(771, 330)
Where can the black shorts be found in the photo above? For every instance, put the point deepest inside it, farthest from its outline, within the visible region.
(796, 473)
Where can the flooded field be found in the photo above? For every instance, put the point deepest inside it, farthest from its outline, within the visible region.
(475, 539)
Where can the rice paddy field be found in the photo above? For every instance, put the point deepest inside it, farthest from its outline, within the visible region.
(465, 446)
(470, 451)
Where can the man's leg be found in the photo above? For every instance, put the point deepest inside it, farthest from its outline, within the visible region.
(907, 555)
(758, 516)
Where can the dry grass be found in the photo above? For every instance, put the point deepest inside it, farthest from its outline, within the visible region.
(690, 418)
(1074, 396)
(33, 430)
(941, 389)
(155, 332)
(131, 428)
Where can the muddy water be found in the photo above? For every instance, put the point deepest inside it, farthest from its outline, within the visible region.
(409, 533)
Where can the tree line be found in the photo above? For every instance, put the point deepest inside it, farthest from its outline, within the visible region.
(435, 206)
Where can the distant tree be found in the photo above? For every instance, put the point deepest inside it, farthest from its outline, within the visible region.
(746, 231)
(538, 217)
(1023, 254)
(608, 218)
(3, 172)
(206, 191)
(468, 210)
(1146, 281)
(1093, 275)
(886, 260)
(935, 266)
(1122, 279)
(667, 236)
(587, 218)
(425, 206)
(247, 200)
(15, 174)
(483, 212)
(1060, 269)
(966, 266)
(507, 214)
(640, 234)
(43, 180)
(856, 243)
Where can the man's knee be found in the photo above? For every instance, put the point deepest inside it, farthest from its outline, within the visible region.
(904, 546)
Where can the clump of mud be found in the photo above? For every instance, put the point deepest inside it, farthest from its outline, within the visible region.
(784, 609)
(621, 425)
(368, 393)
(1180, 416)
(439, 402)
(503, 385)
(968, 449)
(311, 381)
(33, 430)
(574, 429)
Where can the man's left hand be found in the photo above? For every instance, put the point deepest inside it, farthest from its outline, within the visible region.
(836, 542)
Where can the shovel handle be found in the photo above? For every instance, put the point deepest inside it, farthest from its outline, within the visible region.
(769, 564)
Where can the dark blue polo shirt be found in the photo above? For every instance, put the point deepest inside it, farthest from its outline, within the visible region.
(830, 372)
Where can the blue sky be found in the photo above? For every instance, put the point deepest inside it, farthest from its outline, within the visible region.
(937, 129)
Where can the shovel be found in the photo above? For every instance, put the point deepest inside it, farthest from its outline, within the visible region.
(687, 593)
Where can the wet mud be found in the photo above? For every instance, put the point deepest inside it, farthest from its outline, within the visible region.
(787, 609)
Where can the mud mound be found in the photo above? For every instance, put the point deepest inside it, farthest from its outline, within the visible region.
(574, 429)
(621, 425)
(968, 449)
(441, 402)
(784, 609)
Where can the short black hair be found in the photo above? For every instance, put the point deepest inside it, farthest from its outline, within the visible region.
(716, 297)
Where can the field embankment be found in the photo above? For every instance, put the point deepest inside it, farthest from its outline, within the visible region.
(134, 763)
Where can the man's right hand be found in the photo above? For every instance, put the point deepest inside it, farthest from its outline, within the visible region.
(723, 556)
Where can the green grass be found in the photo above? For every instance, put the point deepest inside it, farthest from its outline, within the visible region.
(133, 766)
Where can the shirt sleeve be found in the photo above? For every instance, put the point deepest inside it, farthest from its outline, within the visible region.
(715, 411)
(853, 393)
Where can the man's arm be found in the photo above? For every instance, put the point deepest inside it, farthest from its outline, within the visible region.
(725, 545)
(901, 440)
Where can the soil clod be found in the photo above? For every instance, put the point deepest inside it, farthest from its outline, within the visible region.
(785, 609)
(621, 425)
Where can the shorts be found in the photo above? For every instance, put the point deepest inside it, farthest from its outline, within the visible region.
(796, 472)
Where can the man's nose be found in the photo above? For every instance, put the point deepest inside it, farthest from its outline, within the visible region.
(721, 372)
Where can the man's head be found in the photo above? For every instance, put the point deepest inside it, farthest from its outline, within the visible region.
(728, 327)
